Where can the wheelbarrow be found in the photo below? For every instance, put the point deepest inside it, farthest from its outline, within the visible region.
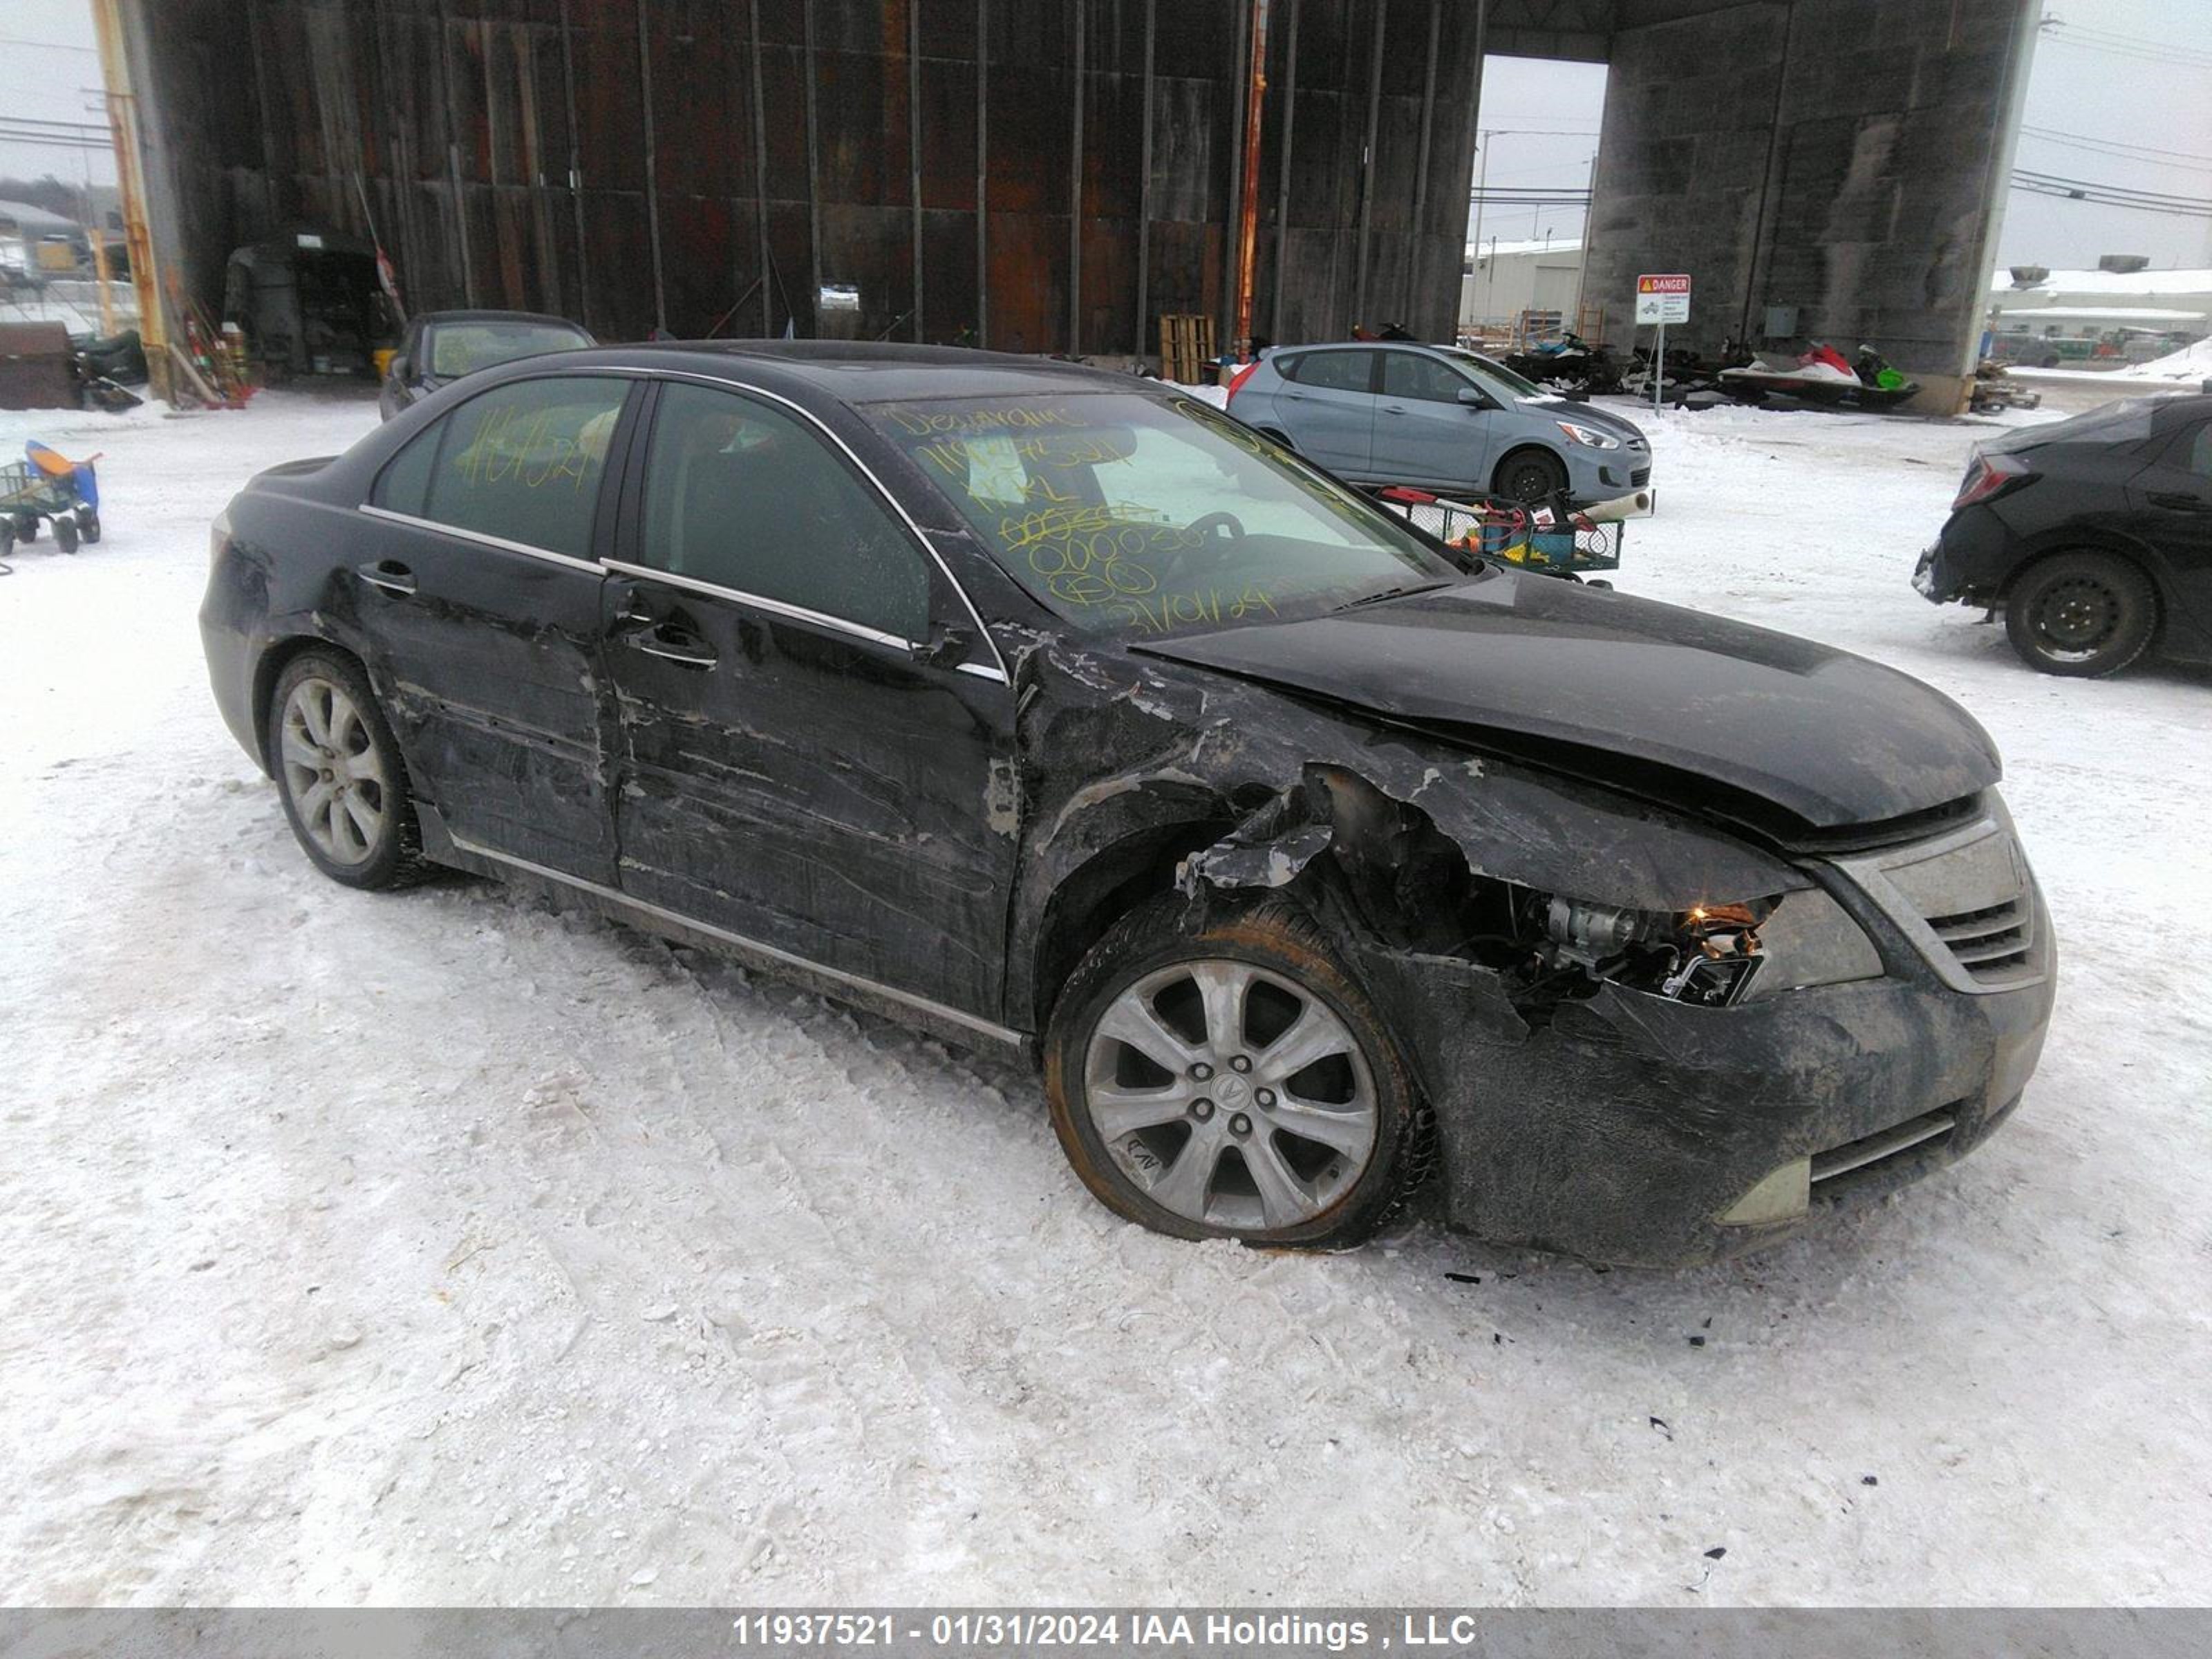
(47, 487)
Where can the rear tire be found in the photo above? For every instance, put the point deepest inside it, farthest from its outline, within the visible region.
(90, 530)
(2081, 615)
(27, 530)
(340, 773)
(1278, 1110)
(1530, 476)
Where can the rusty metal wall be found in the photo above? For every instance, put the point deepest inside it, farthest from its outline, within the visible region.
(1039, 175)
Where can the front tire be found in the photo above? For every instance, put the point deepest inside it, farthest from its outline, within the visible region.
(1531, 476)
(1229, 1079)
(2083, 615)
(339, 771)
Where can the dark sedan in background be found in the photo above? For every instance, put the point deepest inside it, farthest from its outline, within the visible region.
(440, 347)
(1046, 708)
(2093, 535)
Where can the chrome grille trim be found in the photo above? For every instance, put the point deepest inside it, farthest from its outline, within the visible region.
(1885, 1144)
(1966, 901)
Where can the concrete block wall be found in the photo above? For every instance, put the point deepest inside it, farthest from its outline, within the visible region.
(1845, 157)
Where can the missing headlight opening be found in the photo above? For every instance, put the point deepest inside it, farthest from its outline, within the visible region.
(1706, 955)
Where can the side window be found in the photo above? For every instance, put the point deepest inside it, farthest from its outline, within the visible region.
(1337, 371)
(404, 483)
(2195, 450)
(522, 463)
(749, 497)
(1409, 374)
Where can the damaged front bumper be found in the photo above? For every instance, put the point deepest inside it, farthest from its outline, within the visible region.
(1635, 1130)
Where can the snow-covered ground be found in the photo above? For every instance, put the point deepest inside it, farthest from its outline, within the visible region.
(441, 1249)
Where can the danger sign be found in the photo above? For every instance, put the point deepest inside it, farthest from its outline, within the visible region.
(1662, 299)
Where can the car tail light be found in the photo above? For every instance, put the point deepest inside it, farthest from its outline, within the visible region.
(1237, 381)
(1989, 476)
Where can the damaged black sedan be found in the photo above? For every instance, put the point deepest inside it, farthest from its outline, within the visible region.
(1042, 707)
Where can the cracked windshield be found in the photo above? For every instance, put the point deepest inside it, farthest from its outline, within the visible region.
(1129, 515)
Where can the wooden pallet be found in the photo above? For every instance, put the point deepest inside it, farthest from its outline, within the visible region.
(1187, 348)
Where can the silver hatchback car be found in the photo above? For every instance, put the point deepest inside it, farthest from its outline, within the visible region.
(1440, 418)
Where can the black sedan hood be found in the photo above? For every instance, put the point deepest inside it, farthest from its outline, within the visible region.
(1598, 683)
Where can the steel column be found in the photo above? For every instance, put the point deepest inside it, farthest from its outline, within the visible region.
(1283, 174)
(1367, 161)
(914, 144)
(759, 174)
(1075, 198)
(1247, 206)
(652, 170)
(1421, 176)
(1144, 188)
(982, 174)
(576, 169)
(813, 186)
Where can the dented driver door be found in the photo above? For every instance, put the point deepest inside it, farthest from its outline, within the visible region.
(814, 759)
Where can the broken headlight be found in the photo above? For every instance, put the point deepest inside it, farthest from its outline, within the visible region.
(1710, 955)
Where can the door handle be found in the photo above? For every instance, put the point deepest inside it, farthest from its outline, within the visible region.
(687, 653)
(389, 575)
(1393, 409)
(2180, 502)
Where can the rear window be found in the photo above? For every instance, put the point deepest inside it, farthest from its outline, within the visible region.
(1334, 371)
(459, 348)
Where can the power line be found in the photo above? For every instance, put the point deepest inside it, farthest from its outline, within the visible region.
(2176, 57)
(2096, 31)
(2116, 146)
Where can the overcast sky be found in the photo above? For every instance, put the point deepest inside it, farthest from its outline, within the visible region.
(2098, 106)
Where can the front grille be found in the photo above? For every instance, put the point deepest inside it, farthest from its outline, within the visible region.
(1992, 944)
(1640, 477)
(1965, 898)
(1868, 1154)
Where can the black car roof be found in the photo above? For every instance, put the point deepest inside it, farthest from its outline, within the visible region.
(427, 318)
(866, 372)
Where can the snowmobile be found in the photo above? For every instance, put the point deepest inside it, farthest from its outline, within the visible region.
(1822, 376)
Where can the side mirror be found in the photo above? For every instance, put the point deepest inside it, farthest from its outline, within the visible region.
(948, 646)
(397, 368)
(1474, 398)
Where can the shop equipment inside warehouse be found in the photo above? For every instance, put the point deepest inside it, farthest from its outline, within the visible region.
(1059, 175)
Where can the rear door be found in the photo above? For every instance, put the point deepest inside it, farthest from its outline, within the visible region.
(478, 602)
(798, 767)
(1327, 405)
(1422, 433)
(2170, 503)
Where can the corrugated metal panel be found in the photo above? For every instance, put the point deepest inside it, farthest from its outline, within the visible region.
(455, 118)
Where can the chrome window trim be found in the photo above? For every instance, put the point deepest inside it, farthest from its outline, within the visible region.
(994, 670)
(568, 561)
(973, 1023)
(921, 536)
(796, 612)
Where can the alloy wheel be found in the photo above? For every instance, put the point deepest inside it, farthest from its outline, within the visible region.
(1231, 1096)
(333, 772)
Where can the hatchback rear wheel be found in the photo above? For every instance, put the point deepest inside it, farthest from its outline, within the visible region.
(2081, 614)
(1230, 1081)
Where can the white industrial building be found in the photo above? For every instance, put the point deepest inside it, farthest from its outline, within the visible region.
(1502, 281)
(2123, 299)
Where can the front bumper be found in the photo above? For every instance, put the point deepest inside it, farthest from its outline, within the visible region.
(1603, 475)
(1625, 1129)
